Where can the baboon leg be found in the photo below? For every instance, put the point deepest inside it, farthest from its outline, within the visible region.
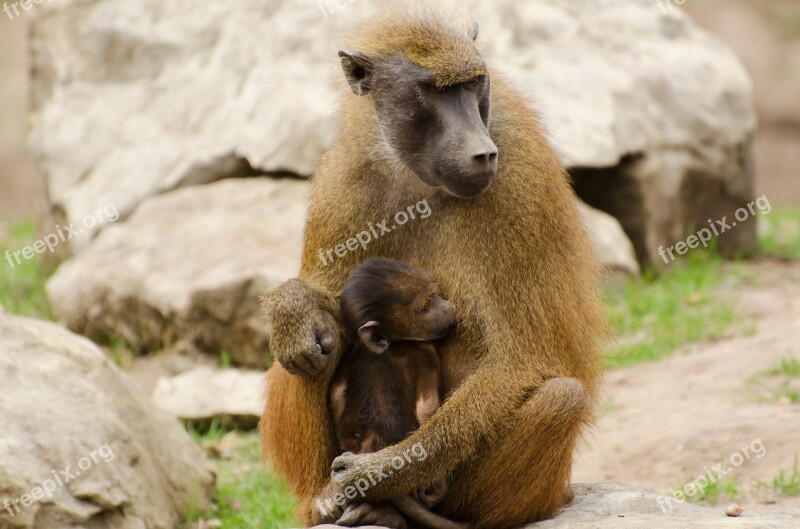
(524, 476)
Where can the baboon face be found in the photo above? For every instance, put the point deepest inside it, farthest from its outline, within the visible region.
(428, 317)
(424, 318)
(387, 301)
(440, 132)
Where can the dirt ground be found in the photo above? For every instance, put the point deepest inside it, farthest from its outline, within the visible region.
(664, 423)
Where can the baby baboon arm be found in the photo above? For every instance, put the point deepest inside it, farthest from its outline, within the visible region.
(422, 515)
(427, 395)
(337, 396)
(303, 333)
(451, 436)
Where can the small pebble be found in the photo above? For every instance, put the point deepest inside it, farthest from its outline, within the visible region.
(733, 510)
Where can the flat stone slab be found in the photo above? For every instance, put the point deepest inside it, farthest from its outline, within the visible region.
(618, 506)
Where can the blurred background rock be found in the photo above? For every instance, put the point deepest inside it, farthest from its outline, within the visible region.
(765, 35)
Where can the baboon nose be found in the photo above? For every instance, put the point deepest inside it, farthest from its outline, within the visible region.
(485, 162)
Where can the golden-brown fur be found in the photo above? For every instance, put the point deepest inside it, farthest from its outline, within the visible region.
(523, 370)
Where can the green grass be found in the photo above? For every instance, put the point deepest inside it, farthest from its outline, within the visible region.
(779, 233)
(225, 360)
(787, 483)
(786, 392)
(22, 285)
(788, 367)
(716, 491)
(247, 495)
(655, 315)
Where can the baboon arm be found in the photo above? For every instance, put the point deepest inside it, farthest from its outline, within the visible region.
(480, 409)
(304, 335)
(298, 437)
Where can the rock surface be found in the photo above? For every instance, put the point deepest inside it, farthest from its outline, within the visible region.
(612, 246)
(231, 397)
(80, 446)
(188, 268)
(617, 506)
(135, 98)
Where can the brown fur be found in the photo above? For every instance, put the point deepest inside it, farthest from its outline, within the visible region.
(523, 370)
(378, 399)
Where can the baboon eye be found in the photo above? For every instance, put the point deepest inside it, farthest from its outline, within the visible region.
(426, 308)
(474, 83)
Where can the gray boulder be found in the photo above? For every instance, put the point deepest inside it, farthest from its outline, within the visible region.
(652, 115)
(188, 268)
(204, 395)
(612, 246)
(80, 446)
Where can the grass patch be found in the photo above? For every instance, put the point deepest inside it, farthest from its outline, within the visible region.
(22, 286)
(788, 367)
(779, 233)
(717, 491)
(247, 495)
(787, 483)
(658, 313)
(786, 392)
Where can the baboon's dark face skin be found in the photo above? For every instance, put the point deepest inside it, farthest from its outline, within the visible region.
(441, 134)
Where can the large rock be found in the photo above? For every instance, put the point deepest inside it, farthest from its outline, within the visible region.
(188, 268)
(204, 395)
(617, 506)
(133, 98)
(80, 446)
(612, 246)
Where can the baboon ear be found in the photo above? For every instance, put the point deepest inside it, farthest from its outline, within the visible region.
(371, 336)
(473, 33)
(358, 71)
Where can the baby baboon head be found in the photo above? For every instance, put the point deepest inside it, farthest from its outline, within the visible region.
(387, 301)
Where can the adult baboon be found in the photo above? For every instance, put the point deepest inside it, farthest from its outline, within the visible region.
(504, 243)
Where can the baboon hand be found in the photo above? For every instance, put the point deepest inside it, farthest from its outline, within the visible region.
(302, 327)
(361, 474)
(383, 515)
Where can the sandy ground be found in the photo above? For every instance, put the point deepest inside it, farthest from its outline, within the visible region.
(664, 423)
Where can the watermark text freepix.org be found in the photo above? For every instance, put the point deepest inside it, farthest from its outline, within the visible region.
(712, 475)
(26, 5)
(62, 234)
(46, 488)
(417, 453)
(376, 231)
(715, 229)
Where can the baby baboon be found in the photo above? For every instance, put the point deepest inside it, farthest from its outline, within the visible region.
(389, 382)
(428, 119)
